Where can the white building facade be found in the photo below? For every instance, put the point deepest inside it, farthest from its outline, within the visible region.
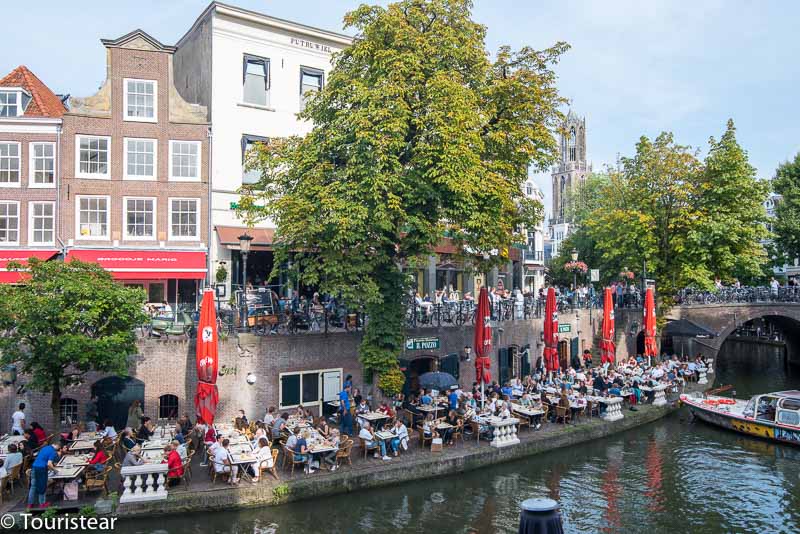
(533, 268)
(252, 71)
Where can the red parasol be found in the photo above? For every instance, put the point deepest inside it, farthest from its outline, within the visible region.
(482, 342)
(607, 349)
(551, 331)
(650, 349)
(207, 396)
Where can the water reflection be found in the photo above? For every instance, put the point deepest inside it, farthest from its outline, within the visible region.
(672, 476)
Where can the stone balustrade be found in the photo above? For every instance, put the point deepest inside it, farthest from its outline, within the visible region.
(660, 398)
(143, 483)
(613, 408)
(504, 431)
(703, 378)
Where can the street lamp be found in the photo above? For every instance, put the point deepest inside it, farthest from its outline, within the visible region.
(574, 256)
(244, 249)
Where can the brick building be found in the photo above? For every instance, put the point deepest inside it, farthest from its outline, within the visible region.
(30, 126)
(134, 192)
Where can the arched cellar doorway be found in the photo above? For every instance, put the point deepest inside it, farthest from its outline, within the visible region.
(413, 369)
(114, 395)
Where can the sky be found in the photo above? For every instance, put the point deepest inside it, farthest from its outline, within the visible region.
(635, 67)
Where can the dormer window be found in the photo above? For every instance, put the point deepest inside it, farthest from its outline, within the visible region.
(12, 103)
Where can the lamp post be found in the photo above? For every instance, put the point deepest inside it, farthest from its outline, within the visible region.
(574, 256)
(244, 249)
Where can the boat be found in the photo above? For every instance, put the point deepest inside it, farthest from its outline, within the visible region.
(772, 416)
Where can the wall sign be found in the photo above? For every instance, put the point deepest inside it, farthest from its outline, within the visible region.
(422, 343)
(562, 328)
(225, 371)
(302, 43)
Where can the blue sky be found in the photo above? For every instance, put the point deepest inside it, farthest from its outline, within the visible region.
(635, 67)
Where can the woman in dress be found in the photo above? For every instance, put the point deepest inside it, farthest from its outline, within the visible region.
(135, 415)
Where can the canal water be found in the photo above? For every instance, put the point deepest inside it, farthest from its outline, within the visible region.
(674, 475)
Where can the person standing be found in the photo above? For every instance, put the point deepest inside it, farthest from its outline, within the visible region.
(135, 414)
(18, 420)
(91, 414)
(46, 459)
(344, 411)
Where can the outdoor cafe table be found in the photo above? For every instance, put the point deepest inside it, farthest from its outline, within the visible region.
(152, 456)
(65, 473)
(74, 460)
(157, 443)
(238, 439)
(90, 436)
(239, 448)
(384, 435)
(527, 411)
(243, 459)
(81, 445)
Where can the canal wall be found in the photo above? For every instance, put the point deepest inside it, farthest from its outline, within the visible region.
(420, 466)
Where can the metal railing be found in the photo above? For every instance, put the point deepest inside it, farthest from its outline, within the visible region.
(739, 295)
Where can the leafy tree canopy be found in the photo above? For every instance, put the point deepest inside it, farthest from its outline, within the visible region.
(787, 211)
(416, 134)
(67, 319)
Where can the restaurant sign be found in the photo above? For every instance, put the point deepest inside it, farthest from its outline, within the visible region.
(422, 343)
(562, 328)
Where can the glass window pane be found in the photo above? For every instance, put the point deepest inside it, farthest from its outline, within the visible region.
(290, 390)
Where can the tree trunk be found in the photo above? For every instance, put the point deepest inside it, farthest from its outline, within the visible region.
(55, 405)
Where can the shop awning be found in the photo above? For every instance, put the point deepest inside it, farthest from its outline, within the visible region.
(146, 264)
(262, 237)
(20, 256)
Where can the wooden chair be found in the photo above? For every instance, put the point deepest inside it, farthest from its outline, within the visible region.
(293, 459)
(458, 433)
(524, 420)
(272, 470)
(363, 445)
(592, 409)
(345, 448)
(14, 477)
(224, 475)
(476, 429)
(563, 414)
(97, 480)
(422, 439)
(186, 477)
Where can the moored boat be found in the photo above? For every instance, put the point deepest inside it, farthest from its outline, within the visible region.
(773, 416)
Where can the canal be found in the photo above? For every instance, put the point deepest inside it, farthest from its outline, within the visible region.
(674, 475)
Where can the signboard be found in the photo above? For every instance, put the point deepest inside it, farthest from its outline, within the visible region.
(595, 275)
(562, 328)
(422, 343)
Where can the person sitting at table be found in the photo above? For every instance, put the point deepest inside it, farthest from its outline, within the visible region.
(46, 460)
(99, 457)
(308, 416)
(506, 390)
(261, 432)
(14, 457)
(180, 448)
(385, 409)
(223, 461)
(525, 401)
(614, 391)
(278, 426)
(108, 429)
(243, 417)
(175, 464)
(492, 406)
(427, 426)
(133, 457)
(186, 425)
(452, 420)
(145, 431)
(636, 392)
(263, 454)
(41, 435)
(323, 428)
(74, 433)
(503, 410)
(330, 457)
(302, 453)
(240, 426)
(30, 443)
(371, 442)
(128, 440)
(300, 412)
(400, 438)
(426, 399)
(291, 441)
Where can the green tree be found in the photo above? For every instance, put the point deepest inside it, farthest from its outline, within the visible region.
(787, 211)
(416, 134)
(66, 320)
(732, 203)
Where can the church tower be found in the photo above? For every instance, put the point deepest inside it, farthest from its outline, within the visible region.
(568, 175)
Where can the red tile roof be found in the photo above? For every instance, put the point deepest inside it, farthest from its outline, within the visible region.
(44, 103)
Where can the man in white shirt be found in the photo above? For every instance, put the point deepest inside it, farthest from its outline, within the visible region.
(18, 420)
(371, 442)
(223, 462)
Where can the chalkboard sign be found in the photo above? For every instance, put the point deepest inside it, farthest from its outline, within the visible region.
(259, 302)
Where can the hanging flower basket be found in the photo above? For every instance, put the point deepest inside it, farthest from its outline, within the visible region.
(626, 275)
(576, 267)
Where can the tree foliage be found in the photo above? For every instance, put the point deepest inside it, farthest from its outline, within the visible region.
(65, 320)
(787, 211)
(416, 134)
(691, 221)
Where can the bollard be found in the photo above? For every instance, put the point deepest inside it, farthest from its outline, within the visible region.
(540, 516)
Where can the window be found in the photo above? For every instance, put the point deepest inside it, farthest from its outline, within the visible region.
(9, 164)
(140, 100)
(301, 388)
(140, 216)
(91, 158)
(255, 79)
(250, 176)
(140, 159)
(43, 163)
(571, 144)
(9, 104)
(68, 410)
(310, 82)
(168, 407)
(9, 222)
(184, 219)
(92, 217)
(42, 223)
(184, 158)
(788, 418)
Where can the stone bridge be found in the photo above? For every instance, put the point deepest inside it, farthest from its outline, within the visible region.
(720, 320)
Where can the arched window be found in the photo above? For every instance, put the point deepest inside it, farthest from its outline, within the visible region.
(571, 144)
(168, 407)
(68, 410)
(561, 194)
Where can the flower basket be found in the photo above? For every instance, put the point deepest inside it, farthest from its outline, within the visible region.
(576, 267)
